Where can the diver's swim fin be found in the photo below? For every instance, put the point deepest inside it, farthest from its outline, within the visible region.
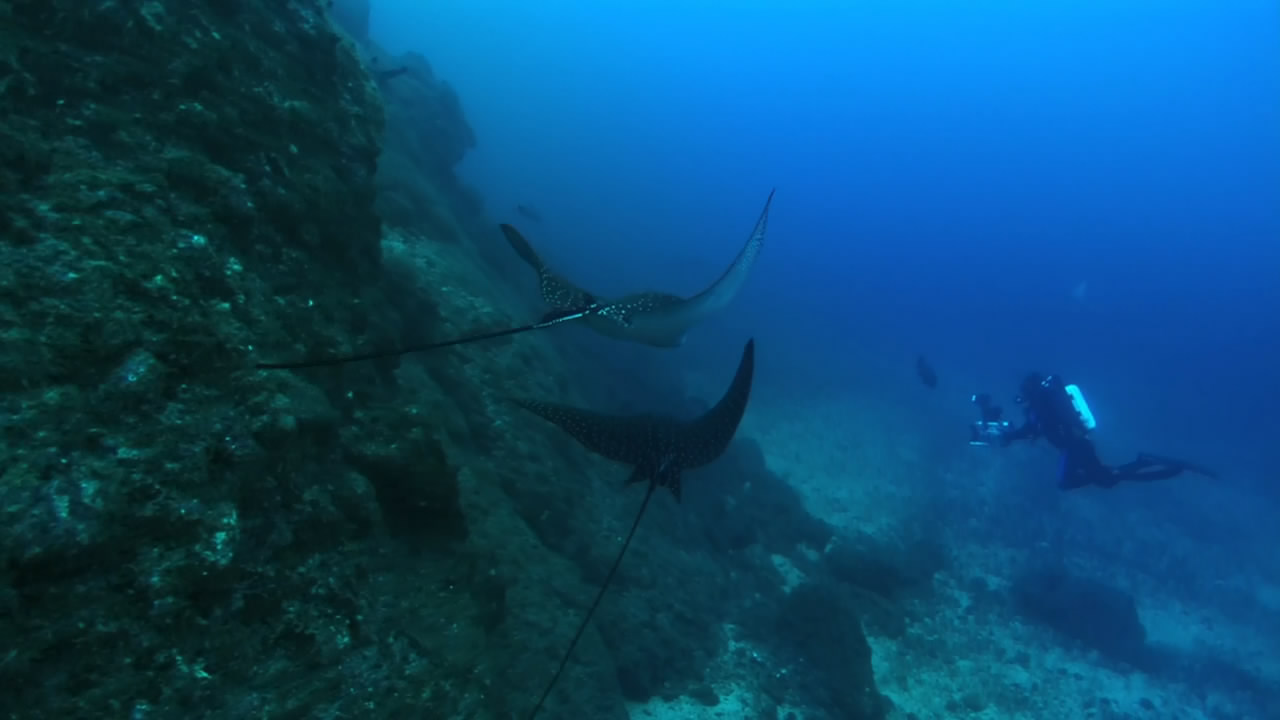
(1174, 462)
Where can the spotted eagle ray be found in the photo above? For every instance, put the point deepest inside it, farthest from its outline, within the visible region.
(659, 447)
(652, 318)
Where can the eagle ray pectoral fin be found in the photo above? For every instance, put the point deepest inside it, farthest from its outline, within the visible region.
(721, 292)
(671, 481)
(522, 247)
(709, 435)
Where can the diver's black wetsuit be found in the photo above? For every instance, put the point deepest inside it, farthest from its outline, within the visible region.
(1050, 414)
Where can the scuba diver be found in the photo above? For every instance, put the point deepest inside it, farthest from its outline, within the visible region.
(1059, 414)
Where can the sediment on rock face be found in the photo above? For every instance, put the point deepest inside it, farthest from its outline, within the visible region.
(185, 187)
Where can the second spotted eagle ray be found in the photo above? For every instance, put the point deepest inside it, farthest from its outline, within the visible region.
(660, 448)
(652, 318)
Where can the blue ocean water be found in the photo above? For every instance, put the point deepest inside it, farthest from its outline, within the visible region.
(948, 178)
(1084, 188)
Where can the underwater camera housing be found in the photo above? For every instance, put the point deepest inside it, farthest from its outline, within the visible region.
(990, 428)
(987, 432)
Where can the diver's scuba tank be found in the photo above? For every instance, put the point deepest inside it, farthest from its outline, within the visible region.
(1082, 407)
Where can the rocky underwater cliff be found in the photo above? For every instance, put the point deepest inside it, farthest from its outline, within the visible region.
(188, 187)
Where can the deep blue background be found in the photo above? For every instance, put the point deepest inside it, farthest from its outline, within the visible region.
(948, 173)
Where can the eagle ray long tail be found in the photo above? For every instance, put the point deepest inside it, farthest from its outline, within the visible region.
(564, 660)
(421, 347)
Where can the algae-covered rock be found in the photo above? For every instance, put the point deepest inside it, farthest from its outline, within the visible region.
(886, 567)
(427, 136)
(1083, 610)
(185, 188)
(814, 638)
(415, 486)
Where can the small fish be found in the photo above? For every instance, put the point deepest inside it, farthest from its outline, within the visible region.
(659, 447)
(652, 318)
(529, 212)
(926, 373)
(385, 75)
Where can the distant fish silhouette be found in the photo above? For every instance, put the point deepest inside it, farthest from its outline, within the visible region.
(529, 212)
(659, 447)
(652, 318)
(926, 373)
(385, 75)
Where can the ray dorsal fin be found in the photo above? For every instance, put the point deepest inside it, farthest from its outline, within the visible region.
(660, 448)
